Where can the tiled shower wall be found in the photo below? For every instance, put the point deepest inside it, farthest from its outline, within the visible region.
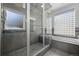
(12, 41)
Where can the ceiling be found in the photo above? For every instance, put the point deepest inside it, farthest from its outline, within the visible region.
(36, 10)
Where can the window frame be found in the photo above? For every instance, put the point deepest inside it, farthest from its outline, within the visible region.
(61, 12)
(14, 11)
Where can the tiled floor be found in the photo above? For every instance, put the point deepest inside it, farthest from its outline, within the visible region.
(56, 52)
(35, 48)
(23, 52)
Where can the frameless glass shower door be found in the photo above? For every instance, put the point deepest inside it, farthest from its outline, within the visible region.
(36, 39)
(47, 26)
(38, 28)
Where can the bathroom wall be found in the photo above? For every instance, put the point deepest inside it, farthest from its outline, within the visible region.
(12, 41)
(70, 48)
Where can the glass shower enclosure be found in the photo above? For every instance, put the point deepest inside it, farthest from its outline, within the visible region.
(31, 36)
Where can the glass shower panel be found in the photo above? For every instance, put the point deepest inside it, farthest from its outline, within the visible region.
(36, 37)
(47, 23)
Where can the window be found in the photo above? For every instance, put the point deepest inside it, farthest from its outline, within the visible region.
(14, 20)
(64, 23)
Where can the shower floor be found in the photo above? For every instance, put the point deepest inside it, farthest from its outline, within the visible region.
(56, 52)
(23, 52)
